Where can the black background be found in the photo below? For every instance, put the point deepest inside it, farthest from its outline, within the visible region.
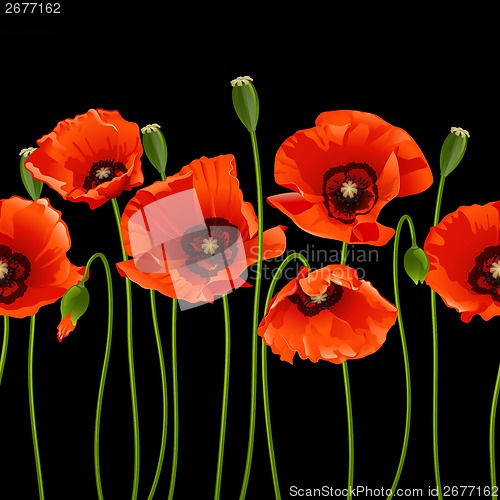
(414, 70)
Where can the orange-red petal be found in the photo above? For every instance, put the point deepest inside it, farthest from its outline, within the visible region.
(65, 156)
(451, 260)
(36, 230)
(352, 328)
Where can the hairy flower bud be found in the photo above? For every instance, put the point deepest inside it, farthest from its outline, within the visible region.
(73, 305)
(416, 264)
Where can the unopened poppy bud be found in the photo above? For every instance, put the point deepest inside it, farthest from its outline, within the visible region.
(73, 305)
(33, 186)
(453, 150)
(155, 146)
(416, 264)
(246, 101)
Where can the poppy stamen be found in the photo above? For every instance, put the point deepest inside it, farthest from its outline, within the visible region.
(103, 171)
(209, 245)
(311, 305)
(14, 271)
(495, 270)
(349, 189)
(4, 270)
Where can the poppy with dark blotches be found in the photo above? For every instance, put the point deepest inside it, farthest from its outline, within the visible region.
(34, 268)
(343, 171)
(92, 157)
(464, 257)
(327, 314)
(192, 236)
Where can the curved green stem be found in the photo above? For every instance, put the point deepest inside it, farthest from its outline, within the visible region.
(395, 273)
(32, 408)
(435, 358)
(5, 343)
(107, 354)
(130, 348)
(265, 385)
(258, 278)
(348, 401)
(224, 396)
(175, 401)
(492, 432)
(164, 395)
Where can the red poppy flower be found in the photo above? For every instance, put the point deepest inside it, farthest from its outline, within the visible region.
(464, 260)
(343, 171)
(92, 157)
(327, 314)
(192, 236)
(34, 269)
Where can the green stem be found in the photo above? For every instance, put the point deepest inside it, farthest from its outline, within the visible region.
(130, 348)
(265, 385)
(104, 368)
(435, 357)
(395, 273)
(224, 397)
(347, 387)
(350, 427)
(32, 408)
(492, 432)
(175, 401)
(5, 343)
(164, 395)
(258, 278)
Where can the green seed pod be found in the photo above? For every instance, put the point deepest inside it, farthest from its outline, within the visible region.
(246, 102)
(416, 264)
(453, 150)
(155, 146)
(33, 186)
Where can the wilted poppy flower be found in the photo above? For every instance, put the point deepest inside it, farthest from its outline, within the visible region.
(327, 314)
(343, 171)
(34, 269)
(92, 157)
(192, 236)
(464, 257)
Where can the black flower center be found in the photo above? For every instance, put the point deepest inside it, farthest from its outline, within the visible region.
(485, 275)
(211, 248)
(349, 190)
(103, 171)
(15, 269)
(311, 305)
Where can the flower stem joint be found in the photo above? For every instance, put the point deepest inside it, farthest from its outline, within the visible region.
(453, 150)
(416, 264)
(73, 305)
(246, 102)
(155, 146)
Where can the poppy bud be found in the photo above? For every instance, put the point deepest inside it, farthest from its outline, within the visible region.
(33, 186)
(416, 264)
(155, 146)
(453, 150)
(73, 305)
(246, 101)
